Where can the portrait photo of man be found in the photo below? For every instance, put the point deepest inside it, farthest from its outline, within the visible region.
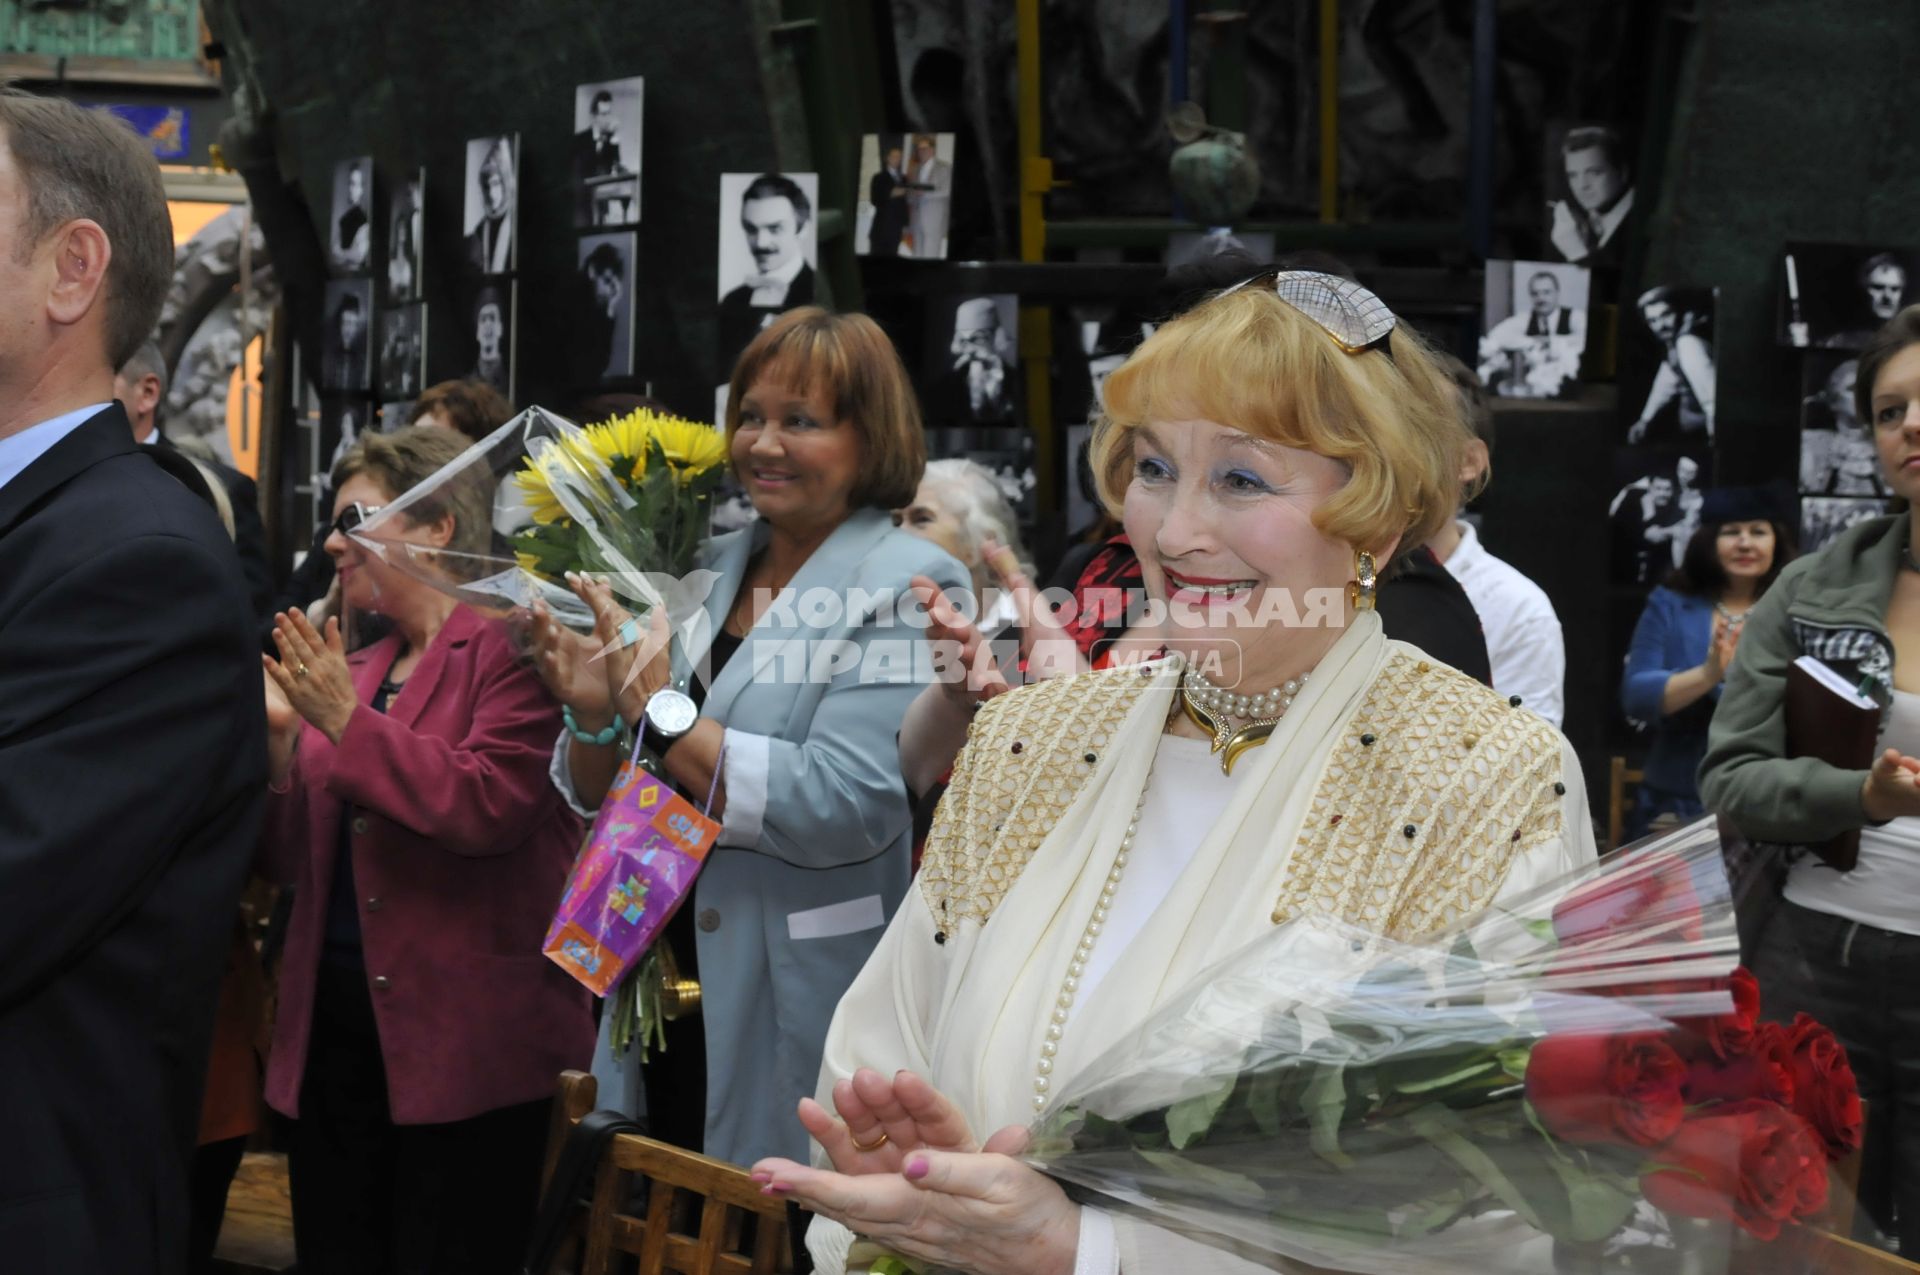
(1674, 343)
(403, 351)
(1653, 516)
(1536, 329)
(350, 241)
(929, 194)
(492, 327)
(345, 355)
(607, 293)
(490, 200)
(1583, 222)
(768, 244)
(1836, 296)
(974, 370)
(605, 152)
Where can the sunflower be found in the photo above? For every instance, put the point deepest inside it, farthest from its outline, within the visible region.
(536, 484)
(690, 447)
(622, 438)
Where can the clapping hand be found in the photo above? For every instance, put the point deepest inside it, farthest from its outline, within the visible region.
(1726, 640)
(312, 672)
(564, 660)
(881, 1121)
(635, 656)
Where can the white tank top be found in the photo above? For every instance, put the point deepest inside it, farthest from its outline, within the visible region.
(1883, 890)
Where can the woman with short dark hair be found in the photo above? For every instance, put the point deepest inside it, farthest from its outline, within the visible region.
(814, 848)
(1685, 641)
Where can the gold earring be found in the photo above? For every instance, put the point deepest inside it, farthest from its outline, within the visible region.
(1361, 589)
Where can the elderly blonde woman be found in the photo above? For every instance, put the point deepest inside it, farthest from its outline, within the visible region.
(1109, 835)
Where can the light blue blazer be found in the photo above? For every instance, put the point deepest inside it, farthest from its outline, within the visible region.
(817, 847)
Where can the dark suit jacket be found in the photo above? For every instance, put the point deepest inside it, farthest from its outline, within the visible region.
(132, 777)
(1420, 602)
(889, 215)
(249, 535)
(741, 320)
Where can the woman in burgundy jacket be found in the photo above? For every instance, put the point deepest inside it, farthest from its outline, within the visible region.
(420, 1029)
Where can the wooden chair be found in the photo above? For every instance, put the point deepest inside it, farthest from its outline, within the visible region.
(703, 1217)
(1619, 779)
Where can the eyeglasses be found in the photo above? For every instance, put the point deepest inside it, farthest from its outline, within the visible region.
(353, 515)
(1356, 319)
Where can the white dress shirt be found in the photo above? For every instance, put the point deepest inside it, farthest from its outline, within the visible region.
(1527, 654)
(771, 288)
(17, 451)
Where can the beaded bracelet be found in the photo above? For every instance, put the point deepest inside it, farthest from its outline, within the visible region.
(602, 739)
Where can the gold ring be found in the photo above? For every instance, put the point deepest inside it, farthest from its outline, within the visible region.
(302, 671)
(875, 1145)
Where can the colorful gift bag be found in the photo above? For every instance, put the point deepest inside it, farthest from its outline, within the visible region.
(647, 846)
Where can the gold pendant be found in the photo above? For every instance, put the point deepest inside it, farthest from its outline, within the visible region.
(1225, 740)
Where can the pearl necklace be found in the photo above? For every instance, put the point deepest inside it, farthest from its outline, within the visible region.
(1070, 985)
(1210, 708)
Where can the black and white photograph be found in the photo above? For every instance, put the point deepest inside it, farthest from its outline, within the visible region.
(1654, 512)
(906, 192)
(1667, 361)
(1535, 327)
(350, 230)
(1005, 453)
(1838, 453)
(1589, 177)
(1836, 296)
(605, 329)
(769, 249)
(1824, 517)
(403, 351)
(1106, 335)
(490, 321)
(606, 152)
(973, 364)
(1184, 247)
(406, 232)
(346, 348)
(395, 415)
(492, 195)
(341, 422)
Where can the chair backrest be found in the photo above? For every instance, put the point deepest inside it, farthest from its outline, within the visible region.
(1619, 779)
(702, 1216)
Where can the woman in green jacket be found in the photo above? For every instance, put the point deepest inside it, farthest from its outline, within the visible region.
(1843, 943)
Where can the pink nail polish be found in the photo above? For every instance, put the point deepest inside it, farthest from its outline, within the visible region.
(917, 1168)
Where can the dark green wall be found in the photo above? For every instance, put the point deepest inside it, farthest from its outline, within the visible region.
(1796, 119)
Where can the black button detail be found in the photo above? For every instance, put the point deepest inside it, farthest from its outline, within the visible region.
(1559, 790)
(1514, 700)
(1017, 748)
(1410, 831)
(940, 937)
(709, 920)
(1366, 741)
(1091, 758)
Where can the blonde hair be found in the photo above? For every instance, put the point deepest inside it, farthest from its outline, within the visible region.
(849, 360)
(1250, 361)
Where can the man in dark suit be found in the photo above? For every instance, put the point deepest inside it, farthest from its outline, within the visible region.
(774, 215)
(887, 192)
(596, 148)
(132, 724)
(140, 385)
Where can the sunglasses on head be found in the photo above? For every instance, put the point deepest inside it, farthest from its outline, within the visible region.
(1355, 318)
(353, 515)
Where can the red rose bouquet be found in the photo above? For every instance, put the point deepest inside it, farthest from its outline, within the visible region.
(1582, 1062)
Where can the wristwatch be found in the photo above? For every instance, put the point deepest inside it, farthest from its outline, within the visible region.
(669, 714)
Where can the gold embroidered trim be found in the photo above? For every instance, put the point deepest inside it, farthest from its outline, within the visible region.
(1028, 753)
(1449, 764)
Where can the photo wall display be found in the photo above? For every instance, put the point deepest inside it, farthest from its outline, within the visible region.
(972, 374)
(1655, 510)
(769, 250)
(1535, 326)
(1836, 296)
(906, 195)
(1838, 456)
(1824, 517)
(1589, 181)
(1667, 367)
(607, 116)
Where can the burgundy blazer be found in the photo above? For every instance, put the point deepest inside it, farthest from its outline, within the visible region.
(461, 848)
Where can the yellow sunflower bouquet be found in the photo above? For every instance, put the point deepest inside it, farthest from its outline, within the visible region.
(626, 498)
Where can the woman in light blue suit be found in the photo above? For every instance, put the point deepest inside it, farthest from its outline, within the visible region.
(803, 664)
